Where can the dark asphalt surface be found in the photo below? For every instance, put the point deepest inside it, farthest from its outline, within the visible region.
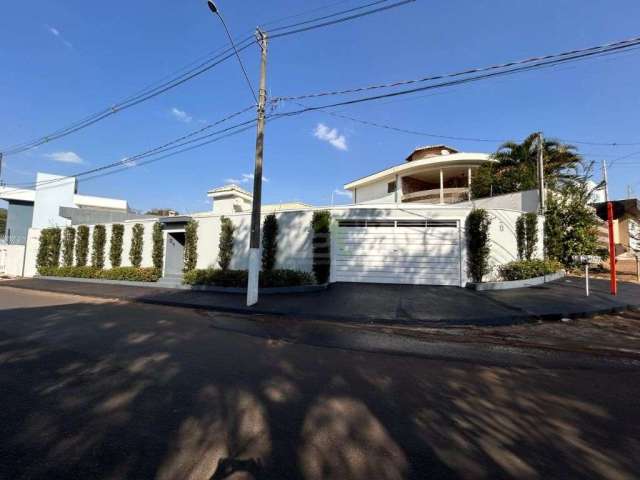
(94, 389)
(385, 304)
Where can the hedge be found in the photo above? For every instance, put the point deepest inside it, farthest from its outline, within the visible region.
(131, 274)
(477, 230)
(68, 244)
(190, 245)
(269, 242)
(97, 248)
(49, 248)
(158, 246)
(524, 269)
(135, 254)
(225, 246)
(115, 249)
(321, 224)
(238, 278)
(82, 245)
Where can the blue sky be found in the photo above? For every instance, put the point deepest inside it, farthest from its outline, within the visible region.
(64, 60)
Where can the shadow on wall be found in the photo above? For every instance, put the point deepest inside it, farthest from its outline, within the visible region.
(168, 398)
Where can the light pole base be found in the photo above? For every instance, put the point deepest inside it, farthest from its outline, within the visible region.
(254, 274)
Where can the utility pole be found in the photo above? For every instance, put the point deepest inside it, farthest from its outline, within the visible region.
(541, 194)
(254, 245)
(612, 244)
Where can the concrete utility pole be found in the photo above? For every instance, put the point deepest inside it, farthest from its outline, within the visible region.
(254, 245)
(612, 244)
(543, 200)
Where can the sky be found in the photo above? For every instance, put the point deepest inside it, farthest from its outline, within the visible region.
(64, 60)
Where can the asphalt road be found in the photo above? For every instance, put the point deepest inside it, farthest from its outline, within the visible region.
(95, 389)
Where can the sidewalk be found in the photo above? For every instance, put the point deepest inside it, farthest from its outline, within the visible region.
(409, 305)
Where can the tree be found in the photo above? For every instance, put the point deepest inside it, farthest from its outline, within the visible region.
(82, 245)
(162, 212)
(115, 248)
(135, 254)
(478, 250)
(515, 167)
(190, 245)
(225, 247)
(97, 248)
(68, 243)
(269, 242)
(49, 248)
(321, 226)
(158, 246)
(527, 235)
(571, 226)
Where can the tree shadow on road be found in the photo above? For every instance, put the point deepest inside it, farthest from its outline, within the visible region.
(121, 391)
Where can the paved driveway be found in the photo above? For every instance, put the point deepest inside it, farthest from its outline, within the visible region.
(93, 389)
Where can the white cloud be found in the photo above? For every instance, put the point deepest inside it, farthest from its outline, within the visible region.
(181, 115)
(56, 33)
(343, 193)
(331, 135)
(245, 178)
(65, 157)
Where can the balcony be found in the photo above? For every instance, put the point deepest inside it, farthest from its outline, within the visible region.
(438, 196)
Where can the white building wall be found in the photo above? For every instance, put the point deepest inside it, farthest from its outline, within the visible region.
(49, 197)
(376, 192)
(11, 260)
(295, 235)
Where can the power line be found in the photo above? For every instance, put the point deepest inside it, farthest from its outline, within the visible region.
(131, 161)
(505, 68)
(341, 20)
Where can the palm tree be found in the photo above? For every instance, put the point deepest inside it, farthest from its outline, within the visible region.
(515, 169)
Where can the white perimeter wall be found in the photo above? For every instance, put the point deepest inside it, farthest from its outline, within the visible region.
(295, 235)
(11, 260)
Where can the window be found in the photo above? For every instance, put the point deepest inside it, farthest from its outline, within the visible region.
(391, 187)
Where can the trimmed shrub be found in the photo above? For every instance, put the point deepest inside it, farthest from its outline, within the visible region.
(68, 243)
(269, 243)
(157, 254)
(115, 249)
(527, 235)
(135, 254)
(190, 245)
(225, 247)
(238, 278)
(524, 269)
(130, 274)
(321, 225)
(49, 248)
(478, 250)
(97, 246)
(82, 245)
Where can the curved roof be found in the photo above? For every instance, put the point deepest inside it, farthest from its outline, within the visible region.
(459, 159)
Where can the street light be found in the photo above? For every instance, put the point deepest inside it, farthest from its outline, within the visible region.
(212, 6)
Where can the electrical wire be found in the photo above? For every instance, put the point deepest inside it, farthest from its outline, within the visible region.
(537, 61)
(340, 20)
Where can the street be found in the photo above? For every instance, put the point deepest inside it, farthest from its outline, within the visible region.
(101, 389)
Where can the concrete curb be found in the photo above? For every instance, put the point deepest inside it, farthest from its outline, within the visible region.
(529, 282)
(194, 288)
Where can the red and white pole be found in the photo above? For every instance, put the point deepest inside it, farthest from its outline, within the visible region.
(612, 250)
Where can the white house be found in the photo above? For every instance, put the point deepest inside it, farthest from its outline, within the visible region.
(406, 225)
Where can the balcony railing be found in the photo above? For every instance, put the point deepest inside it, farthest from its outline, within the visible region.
(449, 195)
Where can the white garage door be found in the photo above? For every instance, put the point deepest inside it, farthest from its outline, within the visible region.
(398, 251)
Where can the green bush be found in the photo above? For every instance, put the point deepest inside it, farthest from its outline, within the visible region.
(225, 247)
(135, 254)
(238, 278)
(158, 246)
(527, 235)
(321, 225)
(269, 242)
(97, 248)
(190, 245)
(68, 243)
(49, 248)
(115, 249)
(477, 231)
(524, 269)
(130, 274)
(82, 245)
